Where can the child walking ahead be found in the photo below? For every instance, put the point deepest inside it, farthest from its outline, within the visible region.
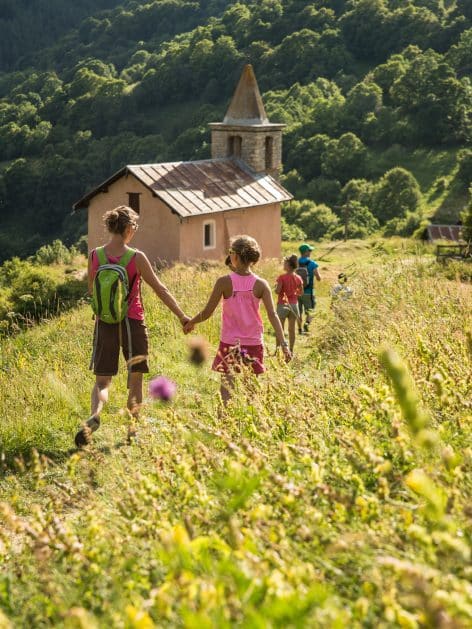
(289, 288)
(242, 329)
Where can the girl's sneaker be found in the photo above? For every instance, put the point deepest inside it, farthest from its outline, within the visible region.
(84, 436)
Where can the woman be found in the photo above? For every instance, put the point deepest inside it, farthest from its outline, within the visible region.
(122, 224)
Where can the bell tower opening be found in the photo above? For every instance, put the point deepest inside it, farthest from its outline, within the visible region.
(235, 143)
(269, 153)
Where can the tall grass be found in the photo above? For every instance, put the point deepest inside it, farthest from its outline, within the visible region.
(334, 492)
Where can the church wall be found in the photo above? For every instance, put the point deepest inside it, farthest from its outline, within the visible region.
(260, 222)
(158, 234)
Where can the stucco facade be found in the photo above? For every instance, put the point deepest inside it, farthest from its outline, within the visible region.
(262, 223)
(163, 236)
(159, 228)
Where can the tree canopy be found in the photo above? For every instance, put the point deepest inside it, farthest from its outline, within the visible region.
(89, 86)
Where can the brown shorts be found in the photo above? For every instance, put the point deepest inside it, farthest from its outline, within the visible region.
(107, 342)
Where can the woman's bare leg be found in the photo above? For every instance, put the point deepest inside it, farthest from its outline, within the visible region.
(135, 394)
(282, 321)
(291, 331)
(100, 394)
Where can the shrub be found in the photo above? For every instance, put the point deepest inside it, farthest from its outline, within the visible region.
(323, 190)
(396, 193)
(464, 166)
(317, 221)
(33, 291)
(55, 253)
(292, 232)
(360, 190)
(361, 223)
(404, 225)
(466, 217)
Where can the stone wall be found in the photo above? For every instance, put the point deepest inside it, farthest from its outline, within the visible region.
(253, 147)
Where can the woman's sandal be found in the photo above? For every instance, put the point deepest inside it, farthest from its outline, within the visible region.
(84, 436)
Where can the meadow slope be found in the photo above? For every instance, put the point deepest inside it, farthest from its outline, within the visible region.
(336, 493)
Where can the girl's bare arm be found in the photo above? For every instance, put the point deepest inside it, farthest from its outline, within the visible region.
(317, 275)
(213, 301)
(273, 318)
(278, 287)
(161, 290)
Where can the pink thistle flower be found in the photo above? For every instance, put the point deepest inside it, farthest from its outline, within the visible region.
(161, 388)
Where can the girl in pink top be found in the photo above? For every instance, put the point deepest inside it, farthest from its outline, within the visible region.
(242, 329)
(109, 338)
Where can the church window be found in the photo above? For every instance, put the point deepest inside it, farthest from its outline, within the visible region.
(209, 235)
(134, 201)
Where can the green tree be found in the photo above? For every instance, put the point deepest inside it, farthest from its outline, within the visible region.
(356, 221)
(315, 220)
(395, 194)
(467, 220)
(464, 166)
(344, 158)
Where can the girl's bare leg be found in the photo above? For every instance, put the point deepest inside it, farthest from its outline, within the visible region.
(291, 331)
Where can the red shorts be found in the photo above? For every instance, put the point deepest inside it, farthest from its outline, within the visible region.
(230, 358)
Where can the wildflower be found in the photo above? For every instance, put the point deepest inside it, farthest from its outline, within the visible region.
(161, 388)
(198, 350)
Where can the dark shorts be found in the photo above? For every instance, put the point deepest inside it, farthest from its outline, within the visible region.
(231, 358)
(108, 340)
(306, 302)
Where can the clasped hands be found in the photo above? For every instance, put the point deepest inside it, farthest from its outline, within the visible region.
(187, 324)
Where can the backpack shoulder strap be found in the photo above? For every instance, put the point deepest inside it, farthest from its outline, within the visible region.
(101, 255)
(126, 257)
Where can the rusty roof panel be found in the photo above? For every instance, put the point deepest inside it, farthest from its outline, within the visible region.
(201, 187)
(207, 186)
(445, 232)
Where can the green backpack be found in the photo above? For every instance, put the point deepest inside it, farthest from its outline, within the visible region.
(111, 287)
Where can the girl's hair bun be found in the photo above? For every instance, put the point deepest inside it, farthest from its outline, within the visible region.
(247, 248)
(292, 260)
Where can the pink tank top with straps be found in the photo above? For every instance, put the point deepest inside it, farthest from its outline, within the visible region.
(241, 320)
(135, 308)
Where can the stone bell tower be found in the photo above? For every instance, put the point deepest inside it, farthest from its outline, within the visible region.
(246, 132)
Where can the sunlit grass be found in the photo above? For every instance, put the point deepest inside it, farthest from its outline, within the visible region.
(334, 492)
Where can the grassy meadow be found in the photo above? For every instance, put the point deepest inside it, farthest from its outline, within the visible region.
(334, 492)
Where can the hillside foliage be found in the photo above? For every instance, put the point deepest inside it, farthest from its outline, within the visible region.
(93, 86)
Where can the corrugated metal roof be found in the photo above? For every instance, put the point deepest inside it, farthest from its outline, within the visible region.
(444, 232)
(202, 187)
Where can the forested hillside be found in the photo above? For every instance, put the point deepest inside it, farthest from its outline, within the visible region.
(365, 86)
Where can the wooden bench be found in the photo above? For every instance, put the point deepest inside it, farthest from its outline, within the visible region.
(462, 251)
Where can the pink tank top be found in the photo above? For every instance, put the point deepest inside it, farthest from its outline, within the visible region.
(242, 321)
(135, 308)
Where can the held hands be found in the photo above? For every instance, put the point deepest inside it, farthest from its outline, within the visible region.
(187, 324)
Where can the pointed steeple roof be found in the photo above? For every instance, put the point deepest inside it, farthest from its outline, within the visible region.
(246, 107)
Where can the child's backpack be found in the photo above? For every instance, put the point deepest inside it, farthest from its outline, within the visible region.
(302, 271)
(111, 287)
